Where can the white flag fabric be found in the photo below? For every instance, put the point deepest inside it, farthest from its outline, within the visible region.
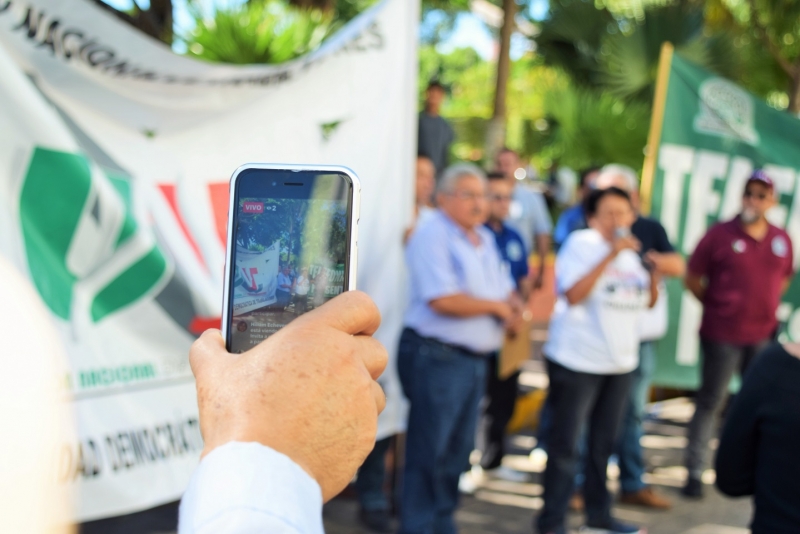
(114, 159)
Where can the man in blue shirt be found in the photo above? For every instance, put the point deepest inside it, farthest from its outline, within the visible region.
(502, 394)
(573, 218)
(460, 307)
(528, 213)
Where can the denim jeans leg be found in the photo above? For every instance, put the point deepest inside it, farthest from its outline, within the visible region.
(720, 361)
(572, 395)
(371, 478)
(605, 421)
(442, 385)
(629, 448)
(455, 456)
(545, 424)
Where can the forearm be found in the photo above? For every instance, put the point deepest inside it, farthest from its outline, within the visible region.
(672, 265)
(462, 305)
(584, 286)
(654, 283)
(542, 249)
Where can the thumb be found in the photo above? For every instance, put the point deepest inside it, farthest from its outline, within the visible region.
(207, 353)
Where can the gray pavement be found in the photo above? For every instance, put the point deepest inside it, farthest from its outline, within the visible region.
(507, 507)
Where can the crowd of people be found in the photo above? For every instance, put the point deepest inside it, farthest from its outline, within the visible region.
(287, 424)
(469, 283)
(467, 257)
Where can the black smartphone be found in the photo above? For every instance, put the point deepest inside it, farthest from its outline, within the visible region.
(292, 245)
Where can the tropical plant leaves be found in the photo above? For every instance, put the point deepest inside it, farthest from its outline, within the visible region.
(263, 31)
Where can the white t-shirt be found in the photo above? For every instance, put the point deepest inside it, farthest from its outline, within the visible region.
(302, 286)
(601, 334)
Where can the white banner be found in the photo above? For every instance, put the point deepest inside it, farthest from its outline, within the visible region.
(114, 160)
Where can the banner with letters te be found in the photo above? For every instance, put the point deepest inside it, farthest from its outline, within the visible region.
(714, 134)
(115, 155)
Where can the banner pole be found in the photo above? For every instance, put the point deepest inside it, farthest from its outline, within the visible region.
(656, 125)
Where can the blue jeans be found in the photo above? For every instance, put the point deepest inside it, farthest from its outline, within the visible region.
(371, 478)
(444, 385)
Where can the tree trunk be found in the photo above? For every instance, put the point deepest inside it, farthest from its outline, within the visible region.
(496, 134)
(794, 91)
(156, 21)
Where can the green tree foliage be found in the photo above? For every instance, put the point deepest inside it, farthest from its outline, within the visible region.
(766, 36)
(263, 31)
(583, 127)
(606, 50)
(155, 20)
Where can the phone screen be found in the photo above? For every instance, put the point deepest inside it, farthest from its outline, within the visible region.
(289, 255)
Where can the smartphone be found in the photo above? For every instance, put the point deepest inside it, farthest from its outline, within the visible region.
(292, 245)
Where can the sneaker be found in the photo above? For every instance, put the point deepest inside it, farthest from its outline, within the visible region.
(614, 528)
(376, 520)
(470, 481)
(693, 488)
(508, 474)
(645, 497)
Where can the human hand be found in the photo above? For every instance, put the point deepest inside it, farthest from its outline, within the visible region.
(657, 261)
(308, 391)
(503, 311)
(625, 241)
(538, 280)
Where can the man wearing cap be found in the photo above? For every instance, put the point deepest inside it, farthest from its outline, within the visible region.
(738, 271)
(435, 135)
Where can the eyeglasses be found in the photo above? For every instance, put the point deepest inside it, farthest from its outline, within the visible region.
(757, 196)
(500, 198)
(468, 195)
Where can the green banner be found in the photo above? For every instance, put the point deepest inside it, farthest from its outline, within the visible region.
(713, 134)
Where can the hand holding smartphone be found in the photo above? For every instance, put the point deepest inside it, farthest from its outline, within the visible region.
(292, 245)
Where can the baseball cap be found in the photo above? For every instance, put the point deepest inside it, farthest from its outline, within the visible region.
(760, 176)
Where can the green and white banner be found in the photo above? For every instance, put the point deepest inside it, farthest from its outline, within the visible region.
(714, 133)
(115, 155)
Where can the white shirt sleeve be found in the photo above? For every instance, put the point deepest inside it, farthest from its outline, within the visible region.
(577, 257)
(247, 488)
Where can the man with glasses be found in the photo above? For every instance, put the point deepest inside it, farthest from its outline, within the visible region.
(738, 271)
(502, 393)
(461, 303)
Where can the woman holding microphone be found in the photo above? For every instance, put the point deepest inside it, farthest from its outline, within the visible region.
(592, 348)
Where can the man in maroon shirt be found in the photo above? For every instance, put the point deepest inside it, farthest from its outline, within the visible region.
(739, 271)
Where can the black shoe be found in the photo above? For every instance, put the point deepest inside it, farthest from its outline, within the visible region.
(693, 488)
(376, 520)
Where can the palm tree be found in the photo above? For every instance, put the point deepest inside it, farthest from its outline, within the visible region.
(620, 55)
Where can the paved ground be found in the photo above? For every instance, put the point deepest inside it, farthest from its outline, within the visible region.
(503, 507)
(506, 507)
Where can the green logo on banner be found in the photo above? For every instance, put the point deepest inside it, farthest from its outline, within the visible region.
(82, 242)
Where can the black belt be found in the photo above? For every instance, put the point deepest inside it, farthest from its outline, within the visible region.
(460, 348)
